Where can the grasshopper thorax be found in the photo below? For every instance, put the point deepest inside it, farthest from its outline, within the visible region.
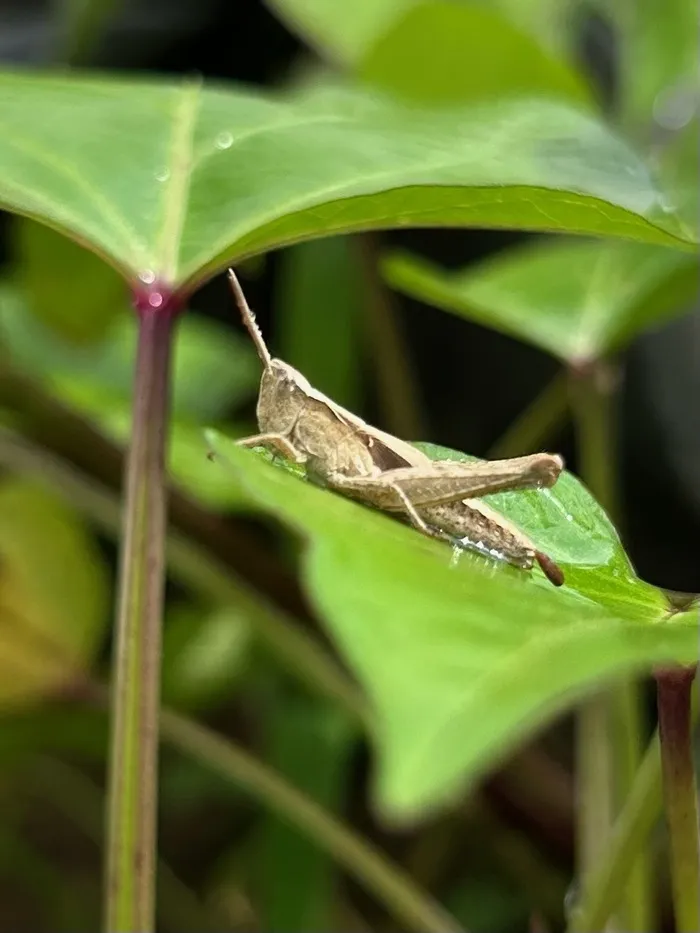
(282, 396)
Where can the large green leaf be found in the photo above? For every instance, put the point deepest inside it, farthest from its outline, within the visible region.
(462, 661)
(53, 594)
(442, 52)
(577, 300)
(169, 182)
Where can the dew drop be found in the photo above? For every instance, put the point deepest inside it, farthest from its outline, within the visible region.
(674, 108)
(224, 141)
(668, 207)
(155, 299)
(148, 276)
(569, 517)
(163, 174)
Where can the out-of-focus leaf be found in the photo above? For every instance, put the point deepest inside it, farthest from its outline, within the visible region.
(444, 52)
(488, 903)
(578, 300)
(53, 594)
(171, 182)
(658, 58)
(204, 653)
(81, 23)
(319, 297)
(341, 32)
(554, 22)
(187, 452)
(214, 368)
(26, 732)
(69, 288)
(461, 662)
(294, 881)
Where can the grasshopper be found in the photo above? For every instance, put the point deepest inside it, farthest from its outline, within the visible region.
(342, 452)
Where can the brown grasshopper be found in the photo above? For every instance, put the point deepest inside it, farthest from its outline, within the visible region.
(341, 451)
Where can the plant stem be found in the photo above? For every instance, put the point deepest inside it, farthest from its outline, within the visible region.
(674, 694)
(600, 895)
(398, 395)
(641, 810)
(609, 741)
(536, 423)
(133, 766)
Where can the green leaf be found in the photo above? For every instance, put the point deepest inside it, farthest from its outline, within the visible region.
(461, 663)
(66, 286)
(175, 181)
(567, 523)
(53, 594)
(204, 653)
(319, 297)
(444, 52)
(338, 31)
(577, 300)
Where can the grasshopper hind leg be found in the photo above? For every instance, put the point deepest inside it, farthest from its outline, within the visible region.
(472, 524)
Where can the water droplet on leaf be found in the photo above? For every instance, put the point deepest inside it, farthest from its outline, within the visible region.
(148, 276)
(155, 299)
(224, 141)
(163, 174)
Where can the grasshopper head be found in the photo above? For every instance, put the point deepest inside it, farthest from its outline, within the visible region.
(282, 396)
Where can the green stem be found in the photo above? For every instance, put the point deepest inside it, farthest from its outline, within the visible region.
(296, 650)
(537, 422)
(398, 396)
(600, 895)
(674, 693)
(592, 387)
(637, 906)
(609, 740)
(594, 811)
(642, 808)
(133, 766)
(396, 890)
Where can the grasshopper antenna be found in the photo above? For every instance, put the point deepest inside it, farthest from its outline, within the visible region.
(249, 320)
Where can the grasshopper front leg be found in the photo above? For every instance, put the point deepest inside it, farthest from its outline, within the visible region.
(278, 443)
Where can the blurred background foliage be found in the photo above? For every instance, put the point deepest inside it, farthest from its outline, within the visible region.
(502, 859)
